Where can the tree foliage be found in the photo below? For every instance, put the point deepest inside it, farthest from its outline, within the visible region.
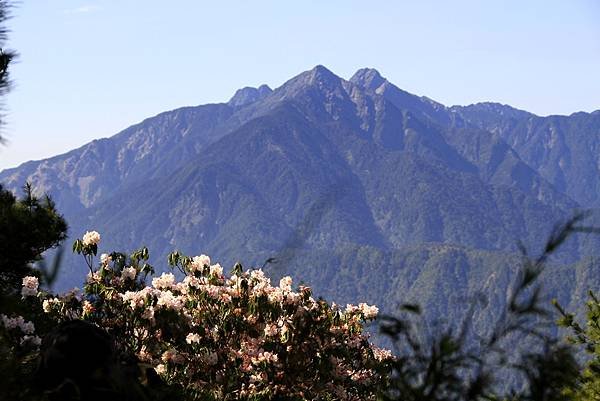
(30, 226)
(6, 56)
(587, 337)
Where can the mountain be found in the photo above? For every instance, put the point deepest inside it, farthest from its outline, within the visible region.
(562, 149)
(365, 191)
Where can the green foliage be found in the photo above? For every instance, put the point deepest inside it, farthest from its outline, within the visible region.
(6, 56)
(29, 226)
(587, 338)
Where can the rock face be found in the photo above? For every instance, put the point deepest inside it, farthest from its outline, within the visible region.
(366, 191)
(247, 95)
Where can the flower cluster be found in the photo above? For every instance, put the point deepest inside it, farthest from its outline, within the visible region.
(91, 238)
(20, 328)
(30, 286)
(233, 336)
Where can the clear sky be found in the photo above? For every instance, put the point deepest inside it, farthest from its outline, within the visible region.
(88, 69)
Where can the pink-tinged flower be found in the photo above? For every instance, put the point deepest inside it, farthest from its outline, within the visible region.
(88, 308)
(171, 355)
(17, 321)
(30, 286)
(116, 281)
(265, 356)
(271, 330)
(31, 340)
(129, 273)
(381, 354)
(370, 312)
(9, 323)
(192, 338)
(351, 309)
(105, 259)
(91, 238)
(191, 281)
(286, 283)
(93, 277)
(258, 377)
(144, 355)
(26, 327)
(160, 369)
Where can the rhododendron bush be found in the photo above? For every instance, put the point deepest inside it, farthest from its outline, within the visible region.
(218, 336)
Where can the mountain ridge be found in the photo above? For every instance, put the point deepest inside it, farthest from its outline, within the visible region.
(321, 168)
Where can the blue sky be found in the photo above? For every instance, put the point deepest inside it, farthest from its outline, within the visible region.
(88, 69)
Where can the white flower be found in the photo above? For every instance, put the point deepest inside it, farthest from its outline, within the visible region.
(276, 296)
(128, 273)
(93, 277)
(380, 353)
(258, 275)
(105, 259)
(18, 321)
(88, 308)
(169, 301)
(351, 309)
(268, 357)
(47, 304)
(171, 355)
(30, 286)
(370, 312)
(166, 280)
(216, 270)
(161, 369)
(91, 238)
(33, 340)
(198, 262)
(270, 330)
(192, 338)
(286, 283)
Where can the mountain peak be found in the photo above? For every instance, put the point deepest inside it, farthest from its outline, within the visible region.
(322, 71)
(368, 78)
(321, 75)
(249, 95)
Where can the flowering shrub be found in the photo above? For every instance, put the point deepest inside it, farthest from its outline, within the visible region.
(223, 336)
(20, 330)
